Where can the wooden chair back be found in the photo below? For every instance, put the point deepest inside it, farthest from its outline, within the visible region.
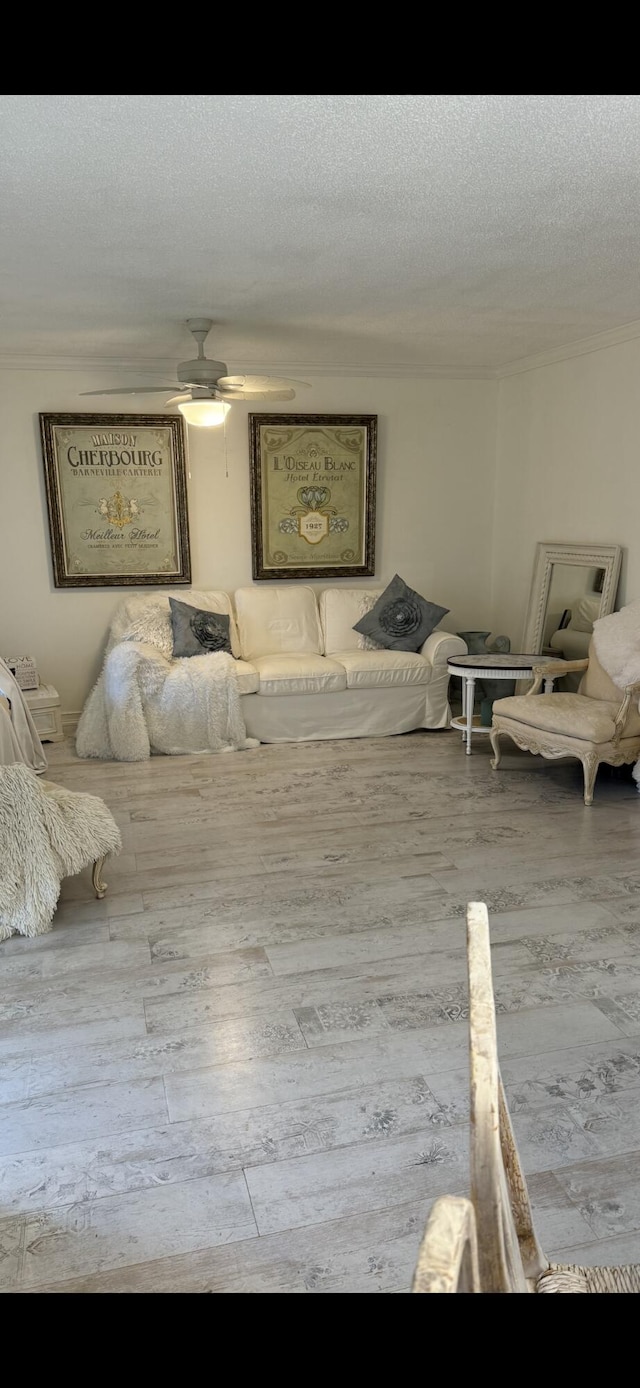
(448, 1257)
(489, 1244)
(508, 1251)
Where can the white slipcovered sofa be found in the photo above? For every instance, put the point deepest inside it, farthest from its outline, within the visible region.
(314, 679)
(299, 672)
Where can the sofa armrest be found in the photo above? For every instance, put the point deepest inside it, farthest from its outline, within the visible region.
(440, 645)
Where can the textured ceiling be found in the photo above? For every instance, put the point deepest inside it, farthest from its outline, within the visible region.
(383, 231)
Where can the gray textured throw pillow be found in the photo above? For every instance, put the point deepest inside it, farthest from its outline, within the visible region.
(196, 631)
(401, 620)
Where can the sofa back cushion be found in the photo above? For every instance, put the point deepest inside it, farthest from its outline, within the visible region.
(147, 617)
(340, 608)
(278, 621)
(585, 612)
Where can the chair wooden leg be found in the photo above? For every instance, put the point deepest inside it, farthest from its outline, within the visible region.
(590, 765)
(494, 736)
(99, 887)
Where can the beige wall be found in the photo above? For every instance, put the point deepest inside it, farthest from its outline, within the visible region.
(435, 500)
(568, 468)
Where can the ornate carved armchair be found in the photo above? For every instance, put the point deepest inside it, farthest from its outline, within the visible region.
(600, 723)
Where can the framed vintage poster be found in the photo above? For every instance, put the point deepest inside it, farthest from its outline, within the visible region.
(117, 499)
(313, 494)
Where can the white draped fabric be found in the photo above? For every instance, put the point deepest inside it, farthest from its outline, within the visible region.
(19, 741)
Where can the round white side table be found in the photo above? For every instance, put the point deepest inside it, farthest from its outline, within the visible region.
(489, 667)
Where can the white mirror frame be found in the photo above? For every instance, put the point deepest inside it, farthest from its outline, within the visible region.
(607, 557)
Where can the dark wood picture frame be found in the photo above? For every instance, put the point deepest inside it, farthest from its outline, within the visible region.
(107, 462)
(313, 511)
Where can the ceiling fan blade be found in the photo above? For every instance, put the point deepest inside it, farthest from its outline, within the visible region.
(179, 399)
(131, 390)
(238, 395)
(253, 383)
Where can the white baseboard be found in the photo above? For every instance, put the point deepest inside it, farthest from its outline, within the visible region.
(70, 723)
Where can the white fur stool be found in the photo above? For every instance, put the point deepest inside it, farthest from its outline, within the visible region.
(46, 833)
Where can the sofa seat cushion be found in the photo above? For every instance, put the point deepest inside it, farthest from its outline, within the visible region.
(247, 677)
(383, 669)
(569, 715)
(299, 674)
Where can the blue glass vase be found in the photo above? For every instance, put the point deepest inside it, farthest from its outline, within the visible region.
(476, 641)
(478, 644)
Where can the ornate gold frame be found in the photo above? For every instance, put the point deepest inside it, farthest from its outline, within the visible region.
(261, 568)
(62, 576)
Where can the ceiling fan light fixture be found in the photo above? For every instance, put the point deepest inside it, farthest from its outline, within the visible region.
(204, 414)
(204, 386)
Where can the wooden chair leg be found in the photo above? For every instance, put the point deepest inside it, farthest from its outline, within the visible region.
(495, 743)
(99, 887)
(590, 765)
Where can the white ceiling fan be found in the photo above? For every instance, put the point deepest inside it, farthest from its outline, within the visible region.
(206, 390)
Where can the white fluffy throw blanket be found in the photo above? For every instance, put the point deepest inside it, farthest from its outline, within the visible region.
(145, 701)
(46, 833)
(617, 645)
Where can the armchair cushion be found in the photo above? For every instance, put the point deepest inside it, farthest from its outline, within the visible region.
(570, 715)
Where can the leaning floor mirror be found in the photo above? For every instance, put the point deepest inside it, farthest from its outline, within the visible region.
(572, 586)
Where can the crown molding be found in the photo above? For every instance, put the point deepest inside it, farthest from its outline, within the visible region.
(144, 366)
(157, 368)
(392, 371)
(598, 342)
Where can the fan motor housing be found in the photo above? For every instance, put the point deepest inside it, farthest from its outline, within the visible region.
(201, 371)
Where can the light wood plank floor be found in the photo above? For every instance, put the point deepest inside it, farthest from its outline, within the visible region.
(245, 1069)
